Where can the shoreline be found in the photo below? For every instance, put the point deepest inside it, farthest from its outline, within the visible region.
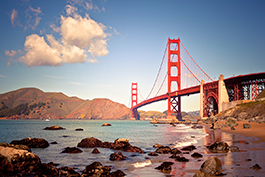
(255, 131)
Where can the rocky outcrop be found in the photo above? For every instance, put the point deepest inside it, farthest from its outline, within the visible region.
(218, 147)
(119, 144)
(117, 156)
(165, 167)
(32, 142)
(14, 161)
(54, 127)
(189, 148)
(95, 151)
(79, 129)
(211, 166)
(106, 124)
(163, 150)
(97, 169)
(71, 150)
(196, 155)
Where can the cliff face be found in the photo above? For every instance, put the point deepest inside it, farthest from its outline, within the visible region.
(33, 103)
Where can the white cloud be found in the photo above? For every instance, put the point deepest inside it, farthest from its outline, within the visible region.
(14, 15)
(39, 53)
(10, 54)
(84, 33)
(82, 40)
(14, 18)
(32, 22)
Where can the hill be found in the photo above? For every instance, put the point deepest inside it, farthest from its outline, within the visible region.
(32, 103)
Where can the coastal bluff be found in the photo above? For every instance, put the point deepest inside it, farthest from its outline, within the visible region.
(33, 103)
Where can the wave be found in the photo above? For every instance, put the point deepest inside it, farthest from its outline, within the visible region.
(142, 164)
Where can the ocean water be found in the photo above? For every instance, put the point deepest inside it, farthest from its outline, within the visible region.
(141, 134)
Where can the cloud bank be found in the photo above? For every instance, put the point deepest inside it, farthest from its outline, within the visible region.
(82, 40)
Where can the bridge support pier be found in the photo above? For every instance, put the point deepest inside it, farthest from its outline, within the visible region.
(201, 99)
(222, 93)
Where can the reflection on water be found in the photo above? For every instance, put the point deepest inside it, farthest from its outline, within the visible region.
(237, 163)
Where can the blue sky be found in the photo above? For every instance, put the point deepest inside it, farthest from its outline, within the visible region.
(96, 49)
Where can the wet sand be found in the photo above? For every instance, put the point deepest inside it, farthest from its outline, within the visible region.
(257, 130)
(251, 143)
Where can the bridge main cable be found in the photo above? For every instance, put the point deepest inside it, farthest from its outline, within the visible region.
(194, 61)
(158, 72)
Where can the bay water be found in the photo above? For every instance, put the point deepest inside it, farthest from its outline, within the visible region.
(140, 133)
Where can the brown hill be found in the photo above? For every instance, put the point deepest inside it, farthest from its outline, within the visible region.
(33, 103)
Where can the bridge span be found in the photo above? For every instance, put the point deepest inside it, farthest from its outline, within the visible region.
(213, 94)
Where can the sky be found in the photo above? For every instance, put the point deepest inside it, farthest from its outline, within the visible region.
(97, 48)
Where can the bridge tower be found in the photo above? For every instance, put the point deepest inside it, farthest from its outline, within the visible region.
(174, 104)
(134, 101)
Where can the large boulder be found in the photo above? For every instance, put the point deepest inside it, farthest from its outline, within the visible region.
(119, 144)
(218, 147)
(165, 167)
(117, 156)
(212, 166)
(163, 150)
(72, 150)
(14, 161)
(32, 142)
(54, 127)
(96, 169)
(90, 143)
(231, 122)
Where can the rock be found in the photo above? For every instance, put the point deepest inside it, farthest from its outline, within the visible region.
(165, 167)
(68, 171)
(242, 115)
(106, 124)
(175, 151)
(117, 173)
(158, 145)
(196, 155)
(121, 140)
(14, 161)
(54, 127)
(117, 156)
(119, 144)
(246, 126)
(234, 149)
(256, 167)
(96, 169)
(153, 154)
(189, 148)
(95, 151)
(79, 129)
(163, 150)
(232, 128)
(231, 122)
(199, 174)
(19, 146)
(32, 143)
(54, 142)
(181, 159)
(217, 125)
(48, 170)
(219, 147)
(212, 166)
(90, 143)
(71, 150)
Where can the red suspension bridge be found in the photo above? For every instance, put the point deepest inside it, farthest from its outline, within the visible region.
(179, 75)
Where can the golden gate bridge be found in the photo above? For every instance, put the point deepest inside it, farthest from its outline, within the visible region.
(179, 75)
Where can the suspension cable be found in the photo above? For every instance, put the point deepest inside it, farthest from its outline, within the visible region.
(190, 70)
(158, 72)
(162, 84)
(195, 61)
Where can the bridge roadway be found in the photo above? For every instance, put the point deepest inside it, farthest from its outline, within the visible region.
(259, 77)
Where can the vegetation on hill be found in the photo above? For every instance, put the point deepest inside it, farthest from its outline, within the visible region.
(32, 103)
